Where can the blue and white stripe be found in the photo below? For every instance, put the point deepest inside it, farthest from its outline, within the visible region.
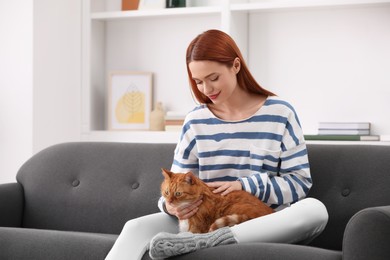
(266, 152)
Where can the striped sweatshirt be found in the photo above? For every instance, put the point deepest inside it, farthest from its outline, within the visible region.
(266, 152)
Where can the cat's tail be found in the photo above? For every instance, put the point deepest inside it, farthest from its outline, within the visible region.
(229, 220)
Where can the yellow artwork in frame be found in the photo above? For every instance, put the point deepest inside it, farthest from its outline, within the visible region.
(130, 100)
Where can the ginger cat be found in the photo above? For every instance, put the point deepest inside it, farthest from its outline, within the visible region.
(216, 211)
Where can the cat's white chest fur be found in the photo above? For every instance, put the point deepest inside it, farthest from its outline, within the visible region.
(183, 225)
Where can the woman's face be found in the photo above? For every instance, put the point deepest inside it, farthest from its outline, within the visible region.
(215, 80)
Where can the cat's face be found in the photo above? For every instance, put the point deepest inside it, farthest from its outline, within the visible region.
(180, 188)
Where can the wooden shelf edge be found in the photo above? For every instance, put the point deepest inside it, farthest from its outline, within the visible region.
(349, 142)
(132, 136)
(155, 13)
(285, 4)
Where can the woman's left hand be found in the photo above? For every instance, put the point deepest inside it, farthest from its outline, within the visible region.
(225, 187)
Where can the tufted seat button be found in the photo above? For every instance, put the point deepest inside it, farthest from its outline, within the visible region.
(75, 183)
(345, 192)
(135, 185)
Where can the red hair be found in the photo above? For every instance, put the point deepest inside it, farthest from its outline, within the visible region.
(215, 45)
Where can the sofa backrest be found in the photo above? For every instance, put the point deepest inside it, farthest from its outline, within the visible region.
(348, 178)
(92, 187)
(97, 187)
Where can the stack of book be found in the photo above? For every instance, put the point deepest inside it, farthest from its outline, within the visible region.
(344, 128)
(344, 131)
(174, 121)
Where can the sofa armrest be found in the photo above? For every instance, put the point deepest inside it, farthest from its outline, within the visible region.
(367, 234)
(11, 205)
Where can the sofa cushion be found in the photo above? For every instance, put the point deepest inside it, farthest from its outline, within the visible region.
(17, 243)
(256, 251)
(92, 187)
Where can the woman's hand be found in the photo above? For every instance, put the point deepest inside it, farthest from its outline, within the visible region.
(225, 187)
(183, 211)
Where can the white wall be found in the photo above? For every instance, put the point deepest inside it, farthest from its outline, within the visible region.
(333, 64)
(57, 72)
(16, 73)
(40, 68)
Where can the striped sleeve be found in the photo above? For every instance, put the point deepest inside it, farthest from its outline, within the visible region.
(186, 154)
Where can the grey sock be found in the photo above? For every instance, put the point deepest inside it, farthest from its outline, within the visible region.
(165, 245)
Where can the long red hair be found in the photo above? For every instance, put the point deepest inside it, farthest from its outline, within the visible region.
(215, 45)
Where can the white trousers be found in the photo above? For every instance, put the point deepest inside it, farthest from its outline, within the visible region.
(302, 221)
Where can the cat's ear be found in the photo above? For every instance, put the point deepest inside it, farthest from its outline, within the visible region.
(167, 174)
(190, 178)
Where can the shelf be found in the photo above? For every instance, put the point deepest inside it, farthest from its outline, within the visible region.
(171, 12)
(349, 142)
(288, 4)
(244, 7)
(173, 137)
(131, 136)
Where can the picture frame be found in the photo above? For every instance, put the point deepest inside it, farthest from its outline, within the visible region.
(130, 100)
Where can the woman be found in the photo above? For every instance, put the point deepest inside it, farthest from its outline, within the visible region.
(241, 136)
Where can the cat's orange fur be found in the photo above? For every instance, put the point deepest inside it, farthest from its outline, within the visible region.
(216, 211)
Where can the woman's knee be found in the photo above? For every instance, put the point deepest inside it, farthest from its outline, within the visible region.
(132, 225)
(159, 222)
(317, 209)
(313, 215)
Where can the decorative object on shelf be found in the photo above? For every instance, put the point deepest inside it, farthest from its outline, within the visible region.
(130, 99)
(130, 5)
(157, 118)
(175, 3)
(344, 128)
(151, 4)
(174, 121)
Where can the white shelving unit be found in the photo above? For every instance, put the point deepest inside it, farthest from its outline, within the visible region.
(275, 5)
(172, 12)
(155, 40)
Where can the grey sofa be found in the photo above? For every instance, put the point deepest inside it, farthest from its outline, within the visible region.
(71, 201)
